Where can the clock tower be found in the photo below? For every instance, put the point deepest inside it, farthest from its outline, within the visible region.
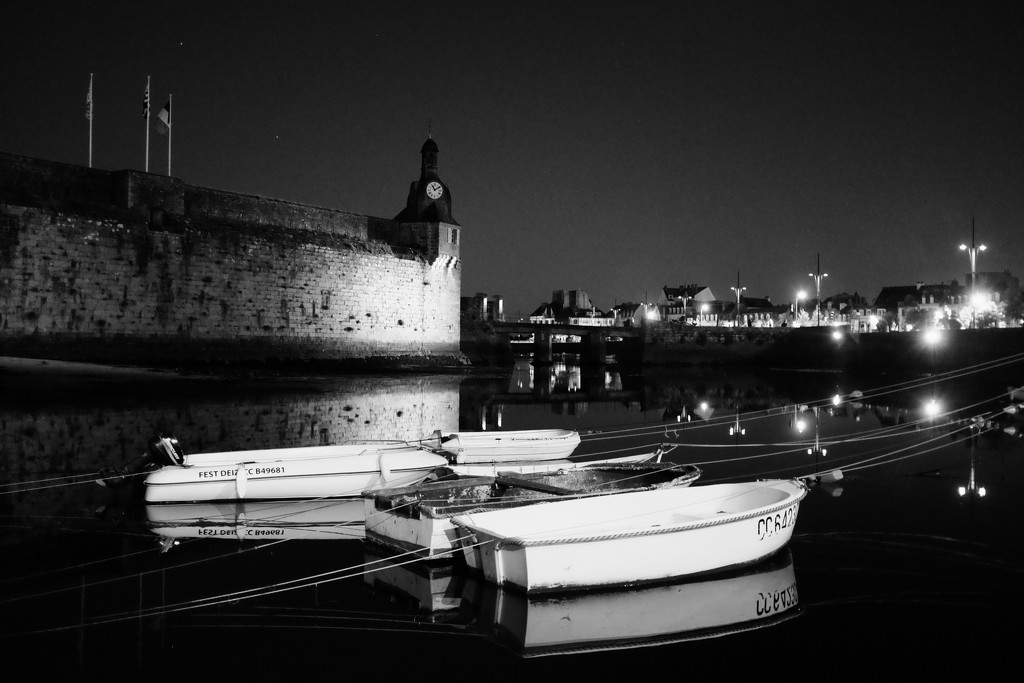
(430, 200)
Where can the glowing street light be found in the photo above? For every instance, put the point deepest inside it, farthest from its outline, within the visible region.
(817, 290)
(739, 290)
(796, 306)
(972, 253)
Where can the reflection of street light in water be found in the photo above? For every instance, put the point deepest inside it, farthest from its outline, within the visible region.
(737, 430)
(972, 484)
(704, 410)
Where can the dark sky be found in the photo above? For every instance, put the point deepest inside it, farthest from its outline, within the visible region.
(611, 147)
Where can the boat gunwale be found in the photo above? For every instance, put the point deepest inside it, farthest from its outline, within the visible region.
(522, 542)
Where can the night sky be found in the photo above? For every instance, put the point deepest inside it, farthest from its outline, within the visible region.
(611, 147)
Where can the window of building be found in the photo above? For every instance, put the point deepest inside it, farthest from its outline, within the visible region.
(455, 235)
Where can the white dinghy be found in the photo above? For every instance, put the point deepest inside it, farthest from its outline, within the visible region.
(488, 447)
(344, 470)
(631, 538)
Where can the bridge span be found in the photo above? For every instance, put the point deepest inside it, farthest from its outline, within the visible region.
(594, 341)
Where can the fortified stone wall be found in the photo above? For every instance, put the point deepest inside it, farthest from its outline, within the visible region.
(133, 267)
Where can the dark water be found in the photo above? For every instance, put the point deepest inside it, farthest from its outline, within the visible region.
(899, 565)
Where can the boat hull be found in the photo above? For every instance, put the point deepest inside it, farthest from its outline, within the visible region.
(324, 475)
(631, 538)
(488, 447)
(418, 519)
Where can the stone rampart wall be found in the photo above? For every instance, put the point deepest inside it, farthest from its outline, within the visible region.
(146, 268)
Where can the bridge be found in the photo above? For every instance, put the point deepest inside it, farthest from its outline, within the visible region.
(593, 344)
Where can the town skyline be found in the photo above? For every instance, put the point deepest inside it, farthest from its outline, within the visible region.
(616, 150)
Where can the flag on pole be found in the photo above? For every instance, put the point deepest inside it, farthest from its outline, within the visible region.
(163, 119)
(145, 102)
(88, 100)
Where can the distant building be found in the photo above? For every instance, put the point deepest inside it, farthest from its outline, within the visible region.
(482, 308)
(683, 302)
(572, 307)
(915, 306)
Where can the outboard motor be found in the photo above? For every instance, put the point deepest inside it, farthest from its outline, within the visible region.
(162, 449)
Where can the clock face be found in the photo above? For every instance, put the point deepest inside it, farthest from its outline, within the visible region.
(434, 190)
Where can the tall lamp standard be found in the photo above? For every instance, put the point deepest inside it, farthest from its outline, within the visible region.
(738, 291)
(817, 290)
(972, 252)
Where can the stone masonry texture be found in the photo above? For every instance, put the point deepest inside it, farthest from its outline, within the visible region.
(98, 265)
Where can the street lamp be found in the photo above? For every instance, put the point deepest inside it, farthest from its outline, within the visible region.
(738, 291)
(817, 290)
(972, 252)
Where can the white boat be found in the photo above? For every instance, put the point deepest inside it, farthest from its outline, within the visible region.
(529, 444)
(344, 470)
(418, 519)
(631, 538)
(331, 519)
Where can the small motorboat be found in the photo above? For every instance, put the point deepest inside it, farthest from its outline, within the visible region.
(331, 519)
(631, 538)
(343, 470)
(418, 519)
(465, 448)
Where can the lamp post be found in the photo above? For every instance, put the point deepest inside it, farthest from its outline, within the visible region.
(738, 290)
(972, 252)
(817, 290)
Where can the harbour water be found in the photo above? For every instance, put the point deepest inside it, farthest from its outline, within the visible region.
(908, 552)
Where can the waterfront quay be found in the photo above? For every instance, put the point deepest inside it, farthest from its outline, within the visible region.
(818, 348)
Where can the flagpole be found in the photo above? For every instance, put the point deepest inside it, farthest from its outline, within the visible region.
(170, 131)
(88, 114)
(145, 114)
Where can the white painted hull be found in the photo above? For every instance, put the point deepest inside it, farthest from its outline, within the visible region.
(530, 444)
(418, 519)
(316, 472)
(332, 519)
(631, 538)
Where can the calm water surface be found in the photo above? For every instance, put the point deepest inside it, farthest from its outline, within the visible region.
(907, 554)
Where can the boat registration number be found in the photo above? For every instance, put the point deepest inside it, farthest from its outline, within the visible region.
(776, 601)
(251, 471)
(770, 525)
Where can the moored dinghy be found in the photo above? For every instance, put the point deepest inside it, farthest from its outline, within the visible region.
(417, 519)
(344, 470)
(631, 538)
(528, 444)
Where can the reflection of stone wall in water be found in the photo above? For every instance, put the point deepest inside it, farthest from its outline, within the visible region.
(85, 436)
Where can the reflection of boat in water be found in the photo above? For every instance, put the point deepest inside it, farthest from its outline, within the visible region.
(330, 519)
(534, 626)
(655, 615)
